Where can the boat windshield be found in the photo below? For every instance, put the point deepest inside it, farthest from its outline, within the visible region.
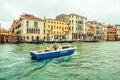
(64, 47)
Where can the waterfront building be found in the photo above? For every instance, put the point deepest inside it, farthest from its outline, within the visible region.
(97, 29)
(117, 26)
(3, 35)
(12, 37)
(76, 24)
(89, 32)
(111, 33)
(56, 30)
(28, 27)
(104, 33)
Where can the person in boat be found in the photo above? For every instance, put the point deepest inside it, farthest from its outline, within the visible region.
(54, 47)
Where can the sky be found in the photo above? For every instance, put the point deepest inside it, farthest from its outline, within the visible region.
(104, 11)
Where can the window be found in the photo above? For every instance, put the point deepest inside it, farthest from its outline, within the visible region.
(72, 28)
(27, 30)
(76, 21)
(76, 28)
(33, 30)
(27, 37)
(48, 26)
(27, 24)
(38, 31)
(51, 27)
(69, 21)
(69, 28)
(35, 24)
(32, 37)
(23, 37)
(72, 21)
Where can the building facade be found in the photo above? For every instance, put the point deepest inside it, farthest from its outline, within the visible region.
(28, 27)
(97, 29)
(89, 32)
(76, 24)
(56, 30)
(111, 33)
(3, 35)
(104, 33)
(117, 26)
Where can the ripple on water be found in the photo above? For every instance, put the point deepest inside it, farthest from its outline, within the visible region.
(91, 61)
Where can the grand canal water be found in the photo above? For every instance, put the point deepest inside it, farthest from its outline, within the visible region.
(91, 61)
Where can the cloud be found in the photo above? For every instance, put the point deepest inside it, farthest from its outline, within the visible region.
(101, 10)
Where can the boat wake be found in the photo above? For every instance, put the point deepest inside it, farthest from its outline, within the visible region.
(11, 65)
(35, 69)
(63, 59)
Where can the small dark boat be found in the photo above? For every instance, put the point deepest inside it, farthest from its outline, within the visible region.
(59, 41)
(37, 41)
(89, 40)
(49, 41)
(69, 41)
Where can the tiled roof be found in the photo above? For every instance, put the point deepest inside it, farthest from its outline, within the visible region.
(117, 25)
(51, 19)
(63, 15)
(30, 17)
(77, 15)
(54, 19)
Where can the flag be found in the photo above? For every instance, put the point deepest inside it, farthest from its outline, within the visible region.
(81, 22)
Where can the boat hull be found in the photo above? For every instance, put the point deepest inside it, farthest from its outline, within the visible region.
(36, 41)
(51, 54)
(89, 40)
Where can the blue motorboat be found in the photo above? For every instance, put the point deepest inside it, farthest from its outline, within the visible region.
(53, 52)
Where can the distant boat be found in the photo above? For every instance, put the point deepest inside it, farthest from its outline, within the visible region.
(49, 41)
(89, 40)
(63, 41)
(69, 41)
(36, 41)
(62, 50)
(59, 41)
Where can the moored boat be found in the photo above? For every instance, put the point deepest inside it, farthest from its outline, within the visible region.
(37, 41)
(69, 41)
(49, 41)
(55, 51)
(89, 40)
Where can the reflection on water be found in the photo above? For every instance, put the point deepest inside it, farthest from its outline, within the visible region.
(91, 61)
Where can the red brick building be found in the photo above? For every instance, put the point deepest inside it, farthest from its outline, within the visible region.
(111, 33)
(3, 36)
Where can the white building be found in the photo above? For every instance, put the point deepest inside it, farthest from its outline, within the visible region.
(104, 32)
(76, 24)
(29, 27)
(117, 26)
